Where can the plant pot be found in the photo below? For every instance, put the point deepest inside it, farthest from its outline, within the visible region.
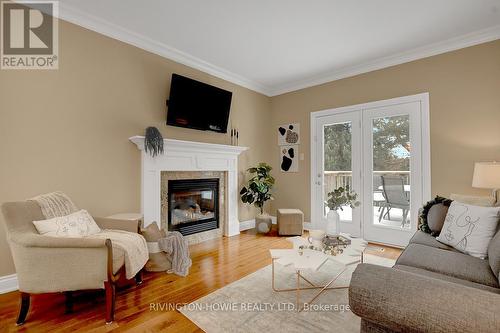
(333, 223)
(263, 223)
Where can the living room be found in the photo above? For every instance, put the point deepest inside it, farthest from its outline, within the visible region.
(227, 142)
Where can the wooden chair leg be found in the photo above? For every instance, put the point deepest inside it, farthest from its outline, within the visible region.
(138, 277)
(110, 301)
(23, 311)
(68, 302)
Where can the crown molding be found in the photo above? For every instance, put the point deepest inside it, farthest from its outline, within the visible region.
(452, 44)
(91, 22)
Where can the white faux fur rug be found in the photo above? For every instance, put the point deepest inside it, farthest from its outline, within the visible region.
(250, 304)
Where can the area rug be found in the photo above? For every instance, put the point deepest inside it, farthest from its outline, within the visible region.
(250, 304)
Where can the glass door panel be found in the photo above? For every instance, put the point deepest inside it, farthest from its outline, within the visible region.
(392, 164)
(337, 163)
(391, 154)
(338, 166)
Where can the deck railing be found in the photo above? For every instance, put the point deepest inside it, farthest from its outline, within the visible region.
(336, 179)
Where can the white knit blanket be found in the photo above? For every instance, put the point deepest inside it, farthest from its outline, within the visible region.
(133, 245)
(55, 204)
(177, 246)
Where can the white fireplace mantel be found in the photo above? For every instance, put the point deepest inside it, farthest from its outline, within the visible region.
(181, 155)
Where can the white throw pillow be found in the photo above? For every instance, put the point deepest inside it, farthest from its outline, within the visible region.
(469, 228)
(78, 224)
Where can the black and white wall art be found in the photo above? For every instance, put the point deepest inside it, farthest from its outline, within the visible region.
(289, 134)
(289, 158)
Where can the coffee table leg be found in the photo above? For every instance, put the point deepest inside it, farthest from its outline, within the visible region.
(327, 287)
(297, 305)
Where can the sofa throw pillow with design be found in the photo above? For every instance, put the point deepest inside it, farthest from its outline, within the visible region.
(78, 224)
(469, 228)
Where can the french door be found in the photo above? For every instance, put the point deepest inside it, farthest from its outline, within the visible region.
(379, 150)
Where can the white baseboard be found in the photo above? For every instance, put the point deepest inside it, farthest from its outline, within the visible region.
(247, 225)
(250, 224)
(8, 283)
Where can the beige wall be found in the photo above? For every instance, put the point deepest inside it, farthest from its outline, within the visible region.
(68, 129)
(464, 89)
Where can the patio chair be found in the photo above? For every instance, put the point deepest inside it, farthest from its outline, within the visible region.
(395, 197)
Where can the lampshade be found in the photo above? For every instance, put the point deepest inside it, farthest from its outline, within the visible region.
(486, 175)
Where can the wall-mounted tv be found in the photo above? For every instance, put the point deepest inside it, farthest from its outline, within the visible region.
(198, 105)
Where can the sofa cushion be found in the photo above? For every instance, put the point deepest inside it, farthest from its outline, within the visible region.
(456, 264)
(494, 255)
(448, 278)
(423, 238)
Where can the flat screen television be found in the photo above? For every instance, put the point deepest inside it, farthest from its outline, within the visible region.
(198, 105)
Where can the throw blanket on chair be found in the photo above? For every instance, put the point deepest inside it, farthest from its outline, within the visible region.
(55, 204)
(132, 245)
(176, 245)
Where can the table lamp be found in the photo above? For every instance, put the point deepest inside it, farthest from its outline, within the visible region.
(487, 175)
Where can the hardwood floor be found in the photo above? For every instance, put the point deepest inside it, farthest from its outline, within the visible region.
(216, 263)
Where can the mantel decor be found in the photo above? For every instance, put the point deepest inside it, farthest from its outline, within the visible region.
(153, 142)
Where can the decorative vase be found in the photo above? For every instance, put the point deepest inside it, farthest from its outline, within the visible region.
(263, 223)
(333, 223)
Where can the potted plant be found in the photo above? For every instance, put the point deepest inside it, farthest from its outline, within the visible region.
(339, 197)
(257, 192)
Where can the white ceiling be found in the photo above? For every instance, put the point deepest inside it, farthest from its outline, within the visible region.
(276, 46)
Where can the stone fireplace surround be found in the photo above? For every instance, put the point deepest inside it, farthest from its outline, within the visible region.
(198, 159)
(174, 175)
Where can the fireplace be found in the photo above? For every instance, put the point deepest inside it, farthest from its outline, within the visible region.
(193, 205)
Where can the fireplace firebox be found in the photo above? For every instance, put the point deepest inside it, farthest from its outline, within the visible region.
(193, 205)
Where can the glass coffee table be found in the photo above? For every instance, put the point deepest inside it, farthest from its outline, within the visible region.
(309, 260)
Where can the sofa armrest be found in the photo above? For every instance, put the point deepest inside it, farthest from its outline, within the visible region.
(34, 240)
(404, 301)
(117, 224)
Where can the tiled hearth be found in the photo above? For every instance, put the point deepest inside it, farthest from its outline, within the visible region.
(177, 175)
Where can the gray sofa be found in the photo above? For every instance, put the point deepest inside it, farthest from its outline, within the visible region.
(431, 288)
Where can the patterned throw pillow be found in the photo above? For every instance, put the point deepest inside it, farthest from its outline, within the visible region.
(469, 228)
(78, 224)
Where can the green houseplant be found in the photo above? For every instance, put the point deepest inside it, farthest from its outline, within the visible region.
(257, 191)
(339, 197)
